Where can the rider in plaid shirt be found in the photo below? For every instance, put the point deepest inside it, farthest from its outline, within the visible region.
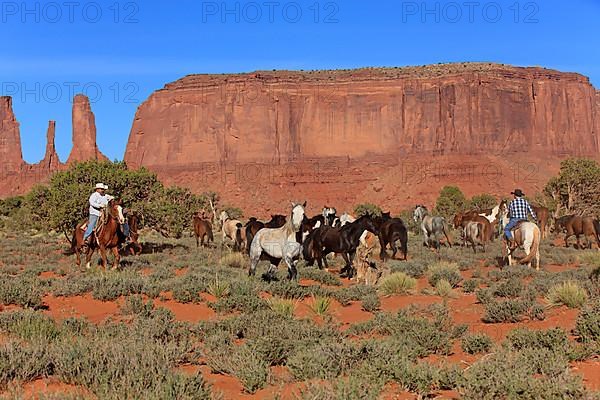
(518, 210)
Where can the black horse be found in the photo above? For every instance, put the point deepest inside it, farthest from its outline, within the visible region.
(254, 225)
(343, 240)
(390, 231)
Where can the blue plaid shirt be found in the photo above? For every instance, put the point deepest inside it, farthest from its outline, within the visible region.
(519, 208)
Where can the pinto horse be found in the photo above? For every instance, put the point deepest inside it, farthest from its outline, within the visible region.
(275, 244)
(106, 236)
(254, 225)
(343, 240)
(574, 225)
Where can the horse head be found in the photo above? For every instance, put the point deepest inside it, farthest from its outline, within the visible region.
(224, 216)
(115, 210)
(297, 215)
(277, 219)
(419, 212)
(457, 220)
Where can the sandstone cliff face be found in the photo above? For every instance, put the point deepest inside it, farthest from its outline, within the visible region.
(10, 140)
(211, 131)
(84, 132)
(16, 176)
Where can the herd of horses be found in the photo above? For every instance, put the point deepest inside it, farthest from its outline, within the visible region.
(296, 236)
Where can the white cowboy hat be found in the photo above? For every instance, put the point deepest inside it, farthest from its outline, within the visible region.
(101, 186)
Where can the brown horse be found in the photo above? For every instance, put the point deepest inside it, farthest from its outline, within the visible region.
(106, 236)
(202, 230)
(254, 225)
(543, 216)
(577, 225)
(461, 221)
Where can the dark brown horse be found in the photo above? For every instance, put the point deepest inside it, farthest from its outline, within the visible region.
(543, 216)
(577, 225)
(202, 230)
(134, 245)
(343, 240)
(106, 236)
(390, 231)
(254, 225)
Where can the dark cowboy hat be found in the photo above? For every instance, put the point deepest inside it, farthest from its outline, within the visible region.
(518, 193)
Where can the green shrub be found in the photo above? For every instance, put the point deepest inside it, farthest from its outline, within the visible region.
(568, 293)
(587, 325)
(443, 288)
(234, 260)
(397, 283)
(371, 303)
(476, 343)
(554, 339)
(511, 310)
(470, 285)
(365, 208)
(411, 268)
(444, 270)
(509, 288)
(320, 305)
(282, 307)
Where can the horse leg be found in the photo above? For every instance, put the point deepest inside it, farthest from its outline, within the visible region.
(292, 271)
(394, 249)
(103, 256)
(198, 241)
(382, 246)
(578, 242)
(347, 268)
(567, 236)
(447, 237)
(117, 258)
(88, 257)
(255, 253)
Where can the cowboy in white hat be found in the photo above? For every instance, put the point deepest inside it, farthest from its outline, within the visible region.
(98, 200)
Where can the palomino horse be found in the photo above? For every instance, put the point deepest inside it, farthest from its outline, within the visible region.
(343, 240)
(392, 230)
(202, 230)
(106, 235)
(527, 235)
(576, 225)
(430, 226)
(230, 229)
(329, 215)
(254, 225)
(275, 244)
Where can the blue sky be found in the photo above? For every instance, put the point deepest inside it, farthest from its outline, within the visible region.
(119, 52)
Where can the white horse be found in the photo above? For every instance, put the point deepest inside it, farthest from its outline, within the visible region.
(430, 226)
(527, 236)
(274, 244)
(329, 215)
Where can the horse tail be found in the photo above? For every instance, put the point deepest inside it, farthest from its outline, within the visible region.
(445, 229)
(249, 238)
(596, 224)
(238, 234)
(73, 241)
(535, 247)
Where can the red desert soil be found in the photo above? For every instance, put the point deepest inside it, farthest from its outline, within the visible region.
(189, 312)
(590, 370)
(42, 388)
(80, 306)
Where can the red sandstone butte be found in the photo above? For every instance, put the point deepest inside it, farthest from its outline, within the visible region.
(394, 135)
(84, 132)
(16, 176)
